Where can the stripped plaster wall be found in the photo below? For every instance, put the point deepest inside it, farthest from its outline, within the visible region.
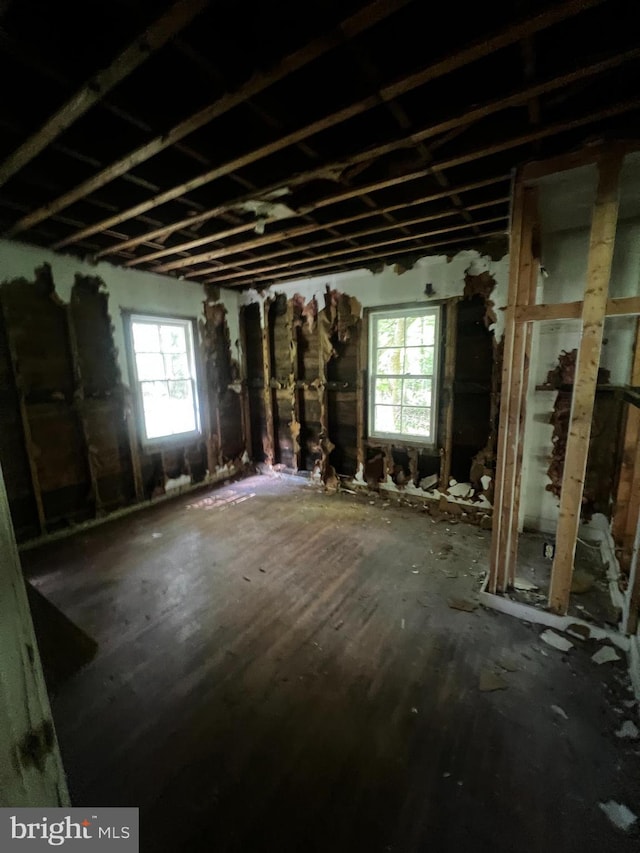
(339, 419)
(71, 447)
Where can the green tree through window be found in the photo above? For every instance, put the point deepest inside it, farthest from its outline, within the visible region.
(403, 370)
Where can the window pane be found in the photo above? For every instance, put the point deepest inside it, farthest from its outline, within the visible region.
(420, 331)
(418, 360)
(417, 392)
(389, 361)
(173, 338)
(180, 413)
(388, 419)
(416, 422)
(150, 366)
(388, 391)
(145, 337)
(177, 366)
(390, 332)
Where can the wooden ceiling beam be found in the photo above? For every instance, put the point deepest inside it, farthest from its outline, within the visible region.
(309, 247)
(365, 18)
(342, 115)
(151, 40)
(300, 230)
(354, 263)
(368, 247)
(239, 248)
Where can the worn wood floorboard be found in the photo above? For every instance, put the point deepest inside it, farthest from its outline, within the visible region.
(279, 671)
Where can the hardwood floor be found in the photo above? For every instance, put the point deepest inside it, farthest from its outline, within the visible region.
(278, 670)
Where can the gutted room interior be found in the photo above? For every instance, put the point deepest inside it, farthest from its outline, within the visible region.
(320, 422)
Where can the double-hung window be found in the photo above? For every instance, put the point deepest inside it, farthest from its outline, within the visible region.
(165, 376)
(403, 371)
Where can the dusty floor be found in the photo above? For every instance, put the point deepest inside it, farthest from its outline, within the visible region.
(279, 670)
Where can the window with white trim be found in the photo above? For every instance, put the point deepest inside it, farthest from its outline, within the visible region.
(403, 371)
(165, 375)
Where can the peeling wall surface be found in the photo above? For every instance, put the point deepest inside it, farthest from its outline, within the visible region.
(307, 382)
(70, 439)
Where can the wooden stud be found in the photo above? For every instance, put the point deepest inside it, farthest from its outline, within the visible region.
(268, 394)
(632, 603)
(601, 246)
(246, 411)
(496, 580)
(450, 343)
(616, 307)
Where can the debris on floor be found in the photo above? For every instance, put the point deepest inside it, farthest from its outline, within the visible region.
(490, 681)
(524, 585)
(556, 641)
(462, 604)
(507, 664)
(628, 730)
(619, 814)
(605, 655)
(559, 711)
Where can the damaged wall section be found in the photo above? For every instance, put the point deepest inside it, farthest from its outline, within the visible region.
(70, 446)
(317, 375)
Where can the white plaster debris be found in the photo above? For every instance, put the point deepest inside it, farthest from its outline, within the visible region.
(619, 814)
(177, 482)
(556, 641)
(486, 481)
(245, 458)
(428, 482)
(156, 535)
(452, 482)
(559, 711)
(460, 490)
(605, 655)
(628, 730)
(359, 478)
(524, 585)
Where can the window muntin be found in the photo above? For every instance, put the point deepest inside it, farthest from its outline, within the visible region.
(165, 376)
(403, 370)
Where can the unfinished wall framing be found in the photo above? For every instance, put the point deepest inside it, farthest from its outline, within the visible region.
(306, 368)
(582, 390)
(70, 445)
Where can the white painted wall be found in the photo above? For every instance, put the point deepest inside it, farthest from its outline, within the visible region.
(127, 288)
(389, 288)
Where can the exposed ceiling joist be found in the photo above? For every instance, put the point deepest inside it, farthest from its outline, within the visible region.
(509, 35)
(466, 118)
(362, 20)
(354, 235)
(151, 40)
(354, 263)
(376, 245)
(288, 233)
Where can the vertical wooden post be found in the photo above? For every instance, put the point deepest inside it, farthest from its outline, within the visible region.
(295, 425)
(244, 388)
(601, 246)
(513, 365)
(632, 601)
(31, 772)
(362, 394)
(268, 398)
(450, 342)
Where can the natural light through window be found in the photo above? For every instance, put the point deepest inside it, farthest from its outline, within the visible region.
(165, 374)
(403, 371)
